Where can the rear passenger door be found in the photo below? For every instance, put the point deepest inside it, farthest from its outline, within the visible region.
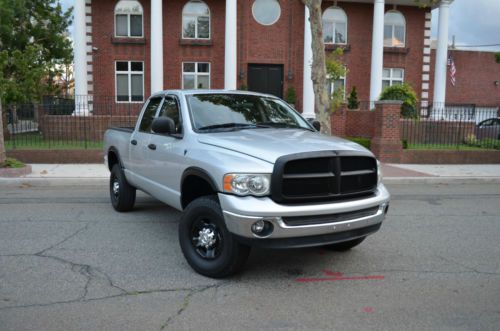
(139, 140)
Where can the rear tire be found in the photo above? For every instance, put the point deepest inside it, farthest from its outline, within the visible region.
(209, 248)
(345, 245)
(122, 194)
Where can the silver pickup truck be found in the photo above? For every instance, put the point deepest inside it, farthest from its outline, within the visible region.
(246, 170)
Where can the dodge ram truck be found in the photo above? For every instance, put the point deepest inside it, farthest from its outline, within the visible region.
(246, 170)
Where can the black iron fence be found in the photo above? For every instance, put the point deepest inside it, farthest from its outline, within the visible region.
(460, 126)
(80, 122)
(65, 123)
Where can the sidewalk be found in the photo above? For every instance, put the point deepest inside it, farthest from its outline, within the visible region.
(91, 174)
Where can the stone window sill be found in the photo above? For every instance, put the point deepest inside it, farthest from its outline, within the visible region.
(332, 47)
(195, 42)
(396, 50)
(125, 40)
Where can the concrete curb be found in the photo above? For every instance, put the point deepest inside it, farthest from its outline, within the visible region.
(97, 181)
(45, 182)
(15, 172)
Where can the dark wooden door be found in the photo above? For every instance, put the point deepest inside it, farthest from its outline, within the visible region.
(266, 78)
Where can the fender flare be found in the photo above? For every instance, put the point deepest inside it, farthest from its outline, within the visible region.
(199, 172)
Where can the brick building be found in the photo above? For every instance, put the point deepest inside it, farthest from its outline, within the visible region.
(262, 45)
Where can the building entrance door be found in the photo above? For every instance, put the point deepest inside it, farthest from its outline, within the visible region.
(266, 78)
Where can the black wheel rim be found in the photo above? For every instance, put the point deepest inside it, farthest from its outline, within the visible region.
(115, 188)
(206, 239)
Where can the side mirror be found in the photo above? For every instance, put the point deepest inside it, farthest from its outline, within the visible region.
(163, 125)
(316, 124)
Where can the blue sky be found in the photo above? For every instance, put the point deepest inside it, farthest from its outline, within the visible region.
(474, 22)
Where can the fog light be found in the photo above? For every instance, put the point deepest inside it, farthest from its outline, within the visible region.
(258, 227)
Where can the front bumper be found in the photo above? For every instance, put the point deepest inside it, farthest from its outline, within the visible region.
(241, 212)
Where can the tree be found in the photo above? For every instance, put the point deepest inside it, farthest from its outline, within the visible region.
(335, 70)
(33, 43)
(403, 92)
(318, 69)
(352, 100)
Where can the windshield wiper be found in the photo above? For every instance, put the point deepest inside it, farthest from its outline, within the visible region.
(282, 125)
(228, 126)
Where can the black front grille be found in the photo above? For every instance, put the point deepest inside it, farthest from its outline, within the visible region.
(323, 176)
(330, 218)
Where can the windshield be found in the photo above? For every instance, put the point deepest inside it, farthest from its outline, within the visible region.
(227, 112)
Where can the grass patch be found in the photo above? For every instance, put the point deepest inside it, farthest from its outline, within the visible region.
(53, 145)
(365, 142)
(461, 147)
(33, 140)
(12, 163)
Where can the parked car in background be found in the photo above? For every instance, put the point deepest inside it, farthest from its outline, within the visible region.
(489, 128)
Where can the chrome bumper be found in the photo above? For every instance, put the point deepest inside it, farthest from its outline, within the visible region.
(241, 212)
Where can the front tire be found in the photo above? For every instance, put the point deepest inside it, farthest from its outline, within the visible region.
(122, 194)
(345, 245)
(209, 248)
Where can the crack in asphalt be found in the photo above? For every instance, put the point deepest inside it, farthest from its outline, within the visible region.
(186, 301)
(192, 290)
(94, 274)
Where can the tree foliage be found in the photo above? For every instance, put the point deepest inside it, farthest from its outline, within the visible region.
(33, 43)
(335, 69)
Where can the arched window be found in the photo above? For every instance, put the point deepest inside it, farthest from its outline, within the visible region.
(128, 19)
(394, 29)
(334, 26)
(196, 20)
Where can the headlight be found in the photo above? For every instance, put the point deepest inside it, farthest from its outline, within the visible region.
(247, 184)
(379, 172)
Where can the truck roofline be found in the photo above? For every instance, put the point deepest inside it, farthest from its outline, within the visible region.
(211, 91)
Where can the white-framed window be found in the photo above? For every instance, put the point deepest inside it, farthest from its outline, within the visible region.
(392, 76)
(394, 29)
(129, 78)
(335, 26)
(195, 20)
(129, 19)
(266, 12)
(336, 85)
(195, 75)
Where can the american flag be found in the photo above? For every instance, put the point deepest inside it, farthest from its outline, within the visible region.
(453, 70)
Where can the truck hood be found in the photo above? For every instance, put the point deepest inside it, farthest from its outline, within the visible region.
(270, 144)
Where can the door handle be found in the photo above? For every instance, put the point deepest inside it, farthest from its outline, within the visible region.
(152, 146)
(133, 142)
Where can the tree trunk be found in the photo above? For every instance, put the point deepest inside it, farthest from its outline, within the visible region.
(2, 143)
(318, 69)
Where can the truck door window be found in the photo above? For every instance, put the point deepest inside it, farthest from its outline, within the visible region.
(149, 115)
(170, 108)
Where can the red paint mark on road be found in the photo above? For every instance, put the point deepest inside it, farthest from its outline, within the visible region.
(332, 273)
(335, 276)
(368, 309)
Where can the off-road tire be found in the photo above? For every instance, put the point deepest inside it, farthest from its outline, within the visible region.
(122, 194)
(226, 257)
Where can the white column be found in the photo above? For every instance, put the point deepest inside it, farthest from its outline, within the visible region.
(80, 58)
(230, 55)
(377, 64)
(441, 55)
(307, 83)
(156, 46)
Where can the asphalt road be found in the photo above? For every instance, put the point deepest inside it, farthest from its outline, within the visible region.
(69, 262)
